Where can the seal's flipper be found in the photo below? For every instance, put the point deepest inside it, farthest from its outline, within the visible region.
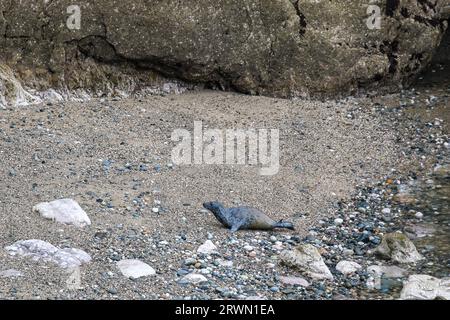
(284, 224)
(235, 227)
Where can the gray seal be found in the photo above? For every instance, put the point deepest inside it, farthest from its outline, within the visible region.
(244, 218)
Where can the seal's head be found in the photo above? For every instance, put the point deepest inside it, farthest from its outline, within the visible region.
(213, 206)
(217, 210)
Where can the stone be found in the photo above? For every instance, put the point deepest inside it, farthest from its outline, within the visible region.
(419, 215)
(40, 250)
(338, 221)
(307, 259)
(132, 268)
(207, 248)
(387, 271)
(225, 263)
(10, 273)
(425, 287)
(248, 248)
(347, 267)
(65, 211)
(397, 247)
(192, 278)
(294, 281)
(377, 273)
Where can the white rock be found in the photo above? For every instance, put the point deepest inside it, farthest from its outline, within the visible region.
(65, 211)
(347, 267)
(134, 269)
(419, 215)
(248, 248)
(338, 221)
(207, 248)
(424, 287)
(193, 278)
(155, 210)
(386, 211)
(307, 259)
(40, 250)
(294, 281)
(10, 273)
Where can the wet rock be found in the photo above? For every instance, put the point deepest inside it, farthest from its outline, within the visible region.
(134, 269)
(40, 250)
(347, 267)
(307, 259)
(377, 273)
(424, 287)
(419, 230)
(65, 211)
(387, 271)
(207, 248)
(397, 247)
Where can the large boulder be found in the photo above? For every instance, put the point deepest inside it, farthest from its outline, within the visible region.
(272, 47)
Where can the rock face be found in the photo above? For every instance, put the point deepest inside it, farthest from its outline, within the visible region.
(41, 250)
(10, 273)
(397, 247)
(134, 269)
(307, 259)
(65, 211)
(424, 287)
(280, 48)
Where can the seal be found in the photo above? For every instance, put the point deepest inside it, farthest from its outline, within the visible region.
(244, 218)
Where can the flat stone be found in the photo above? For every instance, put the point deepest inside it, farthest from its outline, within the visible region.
(65, 211)
(207, 248)
(134, 269)
(10, 273)
(425, 287)
(193, 278)
(347, 267)
(38, 250)
(307, 259)
(294, 281)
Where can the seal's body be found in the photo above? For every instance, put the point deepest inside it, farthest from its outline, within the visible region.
(244, 218)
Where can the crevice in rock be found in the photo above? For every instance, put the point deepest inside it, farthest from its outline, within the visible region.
(302, 18)
(391, 7)
(390, 49)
